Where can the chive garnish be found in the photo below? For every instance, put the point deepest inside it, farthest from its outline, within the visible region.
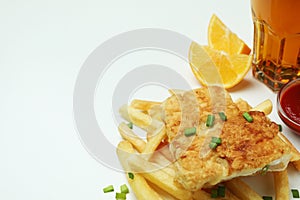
(124, 189)
(130, 125)
(214, 193)
(221, 191)
(130, 175)
(222, 116)
(210, 120)
(248, 117)
(267, 198)
(213, 145)
(295, 193)
(109, 188)
(190, 131)
(216, 140)
(120, 196)
(265, 169)
(280, 127)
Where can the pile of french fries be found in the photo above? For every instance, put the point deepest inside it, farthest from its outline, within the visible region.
(153, 167)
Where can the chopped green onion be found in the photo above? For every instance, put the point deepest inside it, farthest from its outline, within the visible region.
(109, 188)
(267, 198)
(214, 193)
(120, 196)
(280, 127)
(190, 131)
(213, 145)
(295, 193)
(216, 140)
(222, 116)
(221, 191)
(210, 120)
(248, 117)
(265, 169)
(130, 175)
(130, 125)
(124, 189)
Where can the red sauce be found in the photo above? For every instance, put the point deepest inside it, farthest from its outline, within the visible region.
(290, 102)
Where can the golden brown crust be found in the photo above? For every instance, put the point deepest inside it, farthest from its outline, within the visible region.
(251, 145)
(203, 101)
(246, 147)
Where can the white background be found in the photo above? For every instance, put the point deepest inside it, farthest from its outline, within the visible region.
(42, 47)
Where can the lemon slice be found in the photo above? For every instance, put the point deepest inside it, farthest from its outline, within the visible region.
(211, 66)
(221, 38)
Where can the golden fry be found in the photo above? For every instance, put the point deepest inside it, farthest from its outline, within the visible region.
(242, 104)
(230, 196)
(163, 194)
(176, 91)
(138, 184)
(138, 118)
(156, 112)
(135, 116)
(143, 105)
(166, 182)
(161, 178)
(281, 182)
(155, 140)
(129, 135)
(200, 194)
(162, 161)
(295, 153)
(265, 106)
(142, 190)
(241, 190)
(296, 164)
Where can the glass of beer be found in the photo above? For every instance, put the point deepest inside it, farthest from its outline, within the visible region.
(276, 45)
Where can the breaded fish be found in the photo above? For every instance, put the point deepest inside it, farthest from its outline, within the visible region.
(246, 147)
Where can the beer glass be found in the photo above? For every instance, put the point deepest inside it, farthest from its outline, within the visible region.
(276, 44)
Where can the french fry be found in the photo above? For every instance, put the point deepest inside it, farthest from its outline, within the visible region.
(200, 194)
(230, 196)
(129, 135)
(155, 140)
(160, 160)
(241, 190)
(296, 164)
(281, 182)
(265, 106)
(176, 91)
(139, 118)
(143, 105)
(138, 184)
(155, 112)
(295, 152)
(167, 154)
(140, 144)
(163, 194)
(166, 182)
(242, 104)
(161, 178)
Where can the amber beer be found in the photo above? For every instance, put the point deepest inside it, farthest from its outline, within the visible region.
(276, 45)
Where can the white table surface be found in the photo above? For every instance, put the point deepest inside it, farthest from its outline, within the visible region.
(43, 45)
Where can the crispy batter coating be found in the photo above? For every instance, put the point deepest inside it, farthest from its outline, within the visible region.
(245, 149)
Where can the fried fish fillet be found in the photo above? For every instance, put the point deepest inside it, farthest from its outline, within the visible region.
(246, 147)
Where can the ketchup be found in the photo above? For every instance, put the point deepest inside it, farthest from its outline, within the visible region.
(290, 102)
